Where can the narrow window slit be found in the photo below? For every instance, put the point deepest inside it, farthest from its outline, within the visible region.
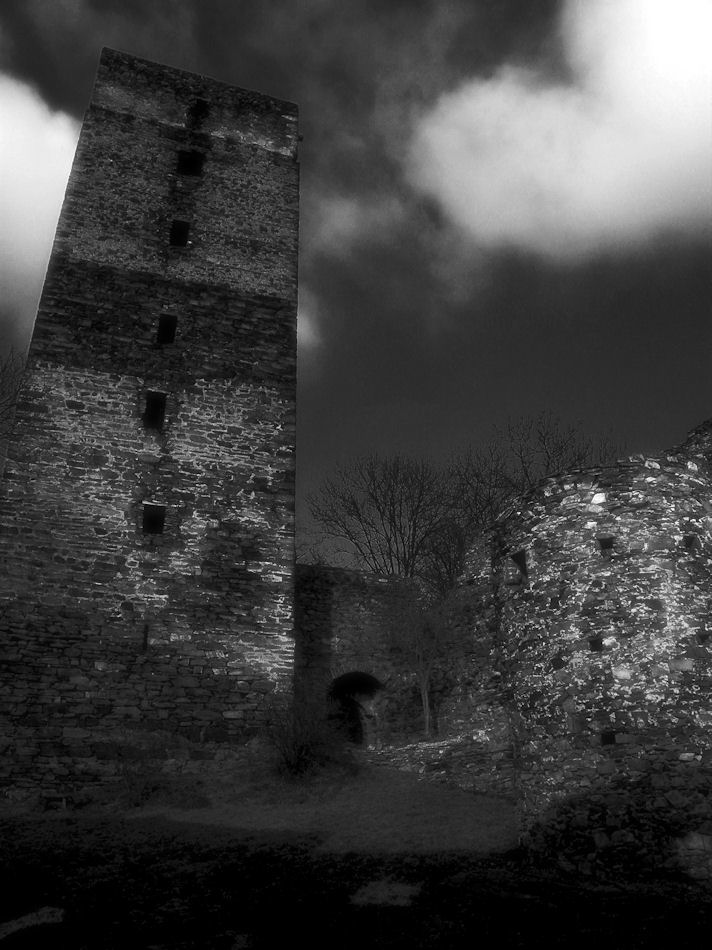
(575, 725)
(608, 738)
(179, 233)
(190, 162)
(167, 325)
(197, 112)
(691, 542)
(155, 411)
(595, 644)
(605, 544)
(520, 559)
(154, 518)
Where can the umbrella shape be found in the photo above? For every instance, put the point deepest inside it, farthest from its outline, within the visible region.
(354, 684)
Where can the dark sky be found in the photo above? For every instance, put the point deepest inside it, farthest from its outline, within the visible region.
(505, 203)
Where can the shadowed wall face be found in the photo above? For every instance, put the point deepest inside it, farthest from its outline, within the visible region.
(350, 621)
(147, 509)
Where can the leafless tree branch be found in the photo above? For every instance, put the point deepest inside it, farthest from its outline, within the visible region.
(403, 515)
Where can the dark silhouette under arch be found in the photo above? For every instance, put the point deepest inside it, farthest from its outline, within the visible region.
(347, 695)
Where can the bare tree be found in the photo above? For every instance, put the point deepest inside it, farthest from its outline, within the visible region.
(539, 446)
(387, 509)
(517, 457)
(424, 649)
(401, 515)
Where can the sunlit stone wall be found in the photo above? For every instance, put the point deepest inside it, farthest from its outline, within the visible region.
(146, 515)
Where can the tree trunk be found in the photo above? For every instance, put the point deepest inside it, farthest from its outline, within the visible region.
(425, 699)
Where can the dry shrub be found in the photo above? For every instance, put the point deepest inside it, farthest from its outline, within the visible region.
(304, 739)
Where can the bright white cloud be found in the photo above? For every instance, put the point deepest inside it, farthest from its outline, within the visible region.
(36, 152)
(339, 222)
(620, 155)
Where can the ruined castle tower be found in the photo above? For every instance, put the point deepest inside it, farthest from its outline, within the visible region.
(146, 513)
(602, 582)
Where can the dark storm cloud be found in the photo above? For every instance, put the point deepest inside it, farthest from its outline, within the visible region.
(620, 346)
(54, 45)
(412, 334)
(361, 72)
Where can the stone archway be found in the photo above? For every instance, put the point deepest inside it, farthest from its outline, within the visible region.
(351, 699)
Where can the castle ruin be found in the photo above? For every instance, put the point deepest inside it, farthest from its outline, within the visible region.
(147, 507)
(147, 520)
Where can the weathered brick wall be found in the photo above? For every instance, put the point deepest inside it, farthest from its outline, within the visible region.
(477, 717)
(242, 210)
(602, 605)
(107, 628)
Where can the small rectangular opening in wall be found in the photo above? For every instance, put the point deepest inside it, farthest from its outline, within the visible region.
(155, 410)
(167, 324)
(595, 644)
(605, 544)
(691, 542)
(179, 233)
(575, 725)
(190, 162)
(520, 559)
(154, 518)
(703, 636)
(608, 738)
(197, 111)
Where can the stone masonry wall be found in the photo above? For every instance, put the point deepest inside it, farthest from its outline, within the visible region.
(348, 621)
(602, 605)
(354, 621)
(160, 383)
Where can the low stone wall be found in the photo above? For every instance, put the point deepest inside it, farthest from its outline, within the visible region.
(473, 764)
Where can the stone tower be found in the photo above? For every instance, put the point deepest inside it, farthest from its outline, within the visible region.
(146, 514)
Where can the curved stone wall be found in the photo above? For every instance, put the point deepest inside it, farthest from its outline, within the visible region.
(350, 621)
(602, 590)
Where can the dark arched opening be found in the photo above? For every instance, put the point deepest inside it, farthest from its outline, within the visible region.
(351, 698)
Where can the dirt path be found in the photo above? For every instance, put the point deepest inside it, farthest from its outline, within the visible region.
(378, 811)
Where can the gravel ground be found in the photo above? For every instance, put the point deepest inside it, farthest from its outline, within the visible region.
(377, 860)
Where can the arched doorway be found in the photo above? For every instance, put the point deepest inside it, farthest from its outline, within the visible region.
(351, 698)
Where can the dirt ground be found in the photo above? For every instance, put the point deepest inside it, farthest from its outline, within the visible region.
(377, 859)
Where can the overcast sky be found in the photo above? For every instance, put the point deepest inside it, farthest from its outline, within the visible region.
(506, 204)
